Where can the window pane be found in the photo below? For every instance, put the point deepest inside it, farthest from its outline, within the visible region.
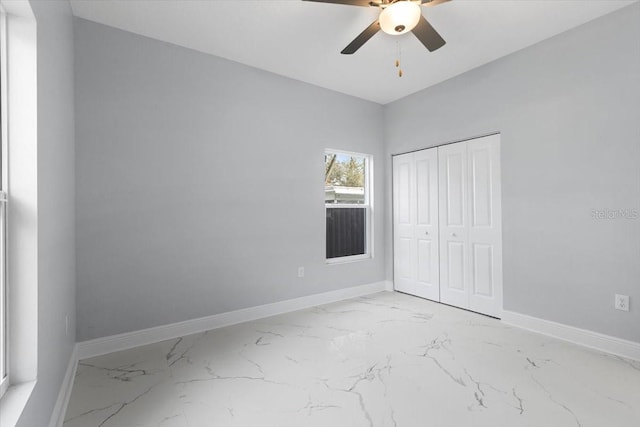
(344, 178)
(345, 231)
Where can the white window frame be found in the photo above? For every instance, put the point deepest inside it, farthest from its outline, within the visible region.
(22, 218)
(367, 205)
(4, 343)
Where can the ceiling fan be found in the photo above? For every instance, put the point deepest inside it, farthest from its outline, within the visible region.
(396, 17)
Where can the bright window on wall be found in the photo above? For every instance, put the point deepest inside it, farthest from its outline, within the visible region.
(348, 205)
(4, 378)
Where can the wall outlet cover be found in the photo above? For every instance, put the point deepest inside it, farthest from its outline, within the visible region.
(622, 302)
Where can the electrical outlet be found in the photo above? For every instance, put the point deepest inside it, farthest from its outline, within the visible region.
(300, 271)
(622, 302)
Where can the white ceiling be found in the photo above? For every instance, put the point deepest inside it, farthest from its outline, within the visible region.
(302, 40)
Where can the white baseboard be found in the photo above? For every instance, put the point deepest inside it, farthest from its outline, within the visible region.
(60, 408)
(100, 346)
(602, 342)
(388, 285)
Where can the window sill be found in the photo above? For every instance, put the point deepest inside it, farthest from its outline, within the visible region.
(348, 259)
(14, 401)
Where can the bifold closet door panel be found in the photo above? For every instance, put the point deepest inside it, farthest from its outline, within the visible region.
(453, 205)
(415, 213)
(404, 251)
(485, 223)
(426, 230)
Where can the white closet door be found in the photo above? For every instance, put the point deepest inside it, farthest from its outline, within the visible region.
(485, 219)
(404, 259)
(447, 224)
(470, 225)
(454, 258)
(415, 213)
(426, 228)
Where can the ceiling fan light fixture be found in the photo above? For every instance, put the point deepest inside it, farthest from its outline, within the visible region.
(400, 17)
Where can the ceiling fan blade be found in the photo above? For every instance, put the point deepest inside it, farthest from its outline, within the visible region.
(362, 38)
(428, 35)
(433, 2)
(347, 2)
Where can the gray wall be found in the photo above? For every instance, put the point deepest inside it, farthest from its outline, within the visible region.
(569, 113)
(200, 183)
(200, 191)
(56, 192)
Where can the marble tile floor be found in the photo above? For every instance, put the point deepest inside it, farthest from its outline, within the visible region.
(383, 360)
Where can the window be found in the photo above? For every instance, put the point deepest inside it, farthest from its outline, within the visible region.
(348, 204)
(18, 112)
(4, 378)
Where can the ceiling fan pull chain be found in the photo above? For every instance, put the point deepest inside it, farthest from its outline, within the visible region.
(397, 54)
(399, 57)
